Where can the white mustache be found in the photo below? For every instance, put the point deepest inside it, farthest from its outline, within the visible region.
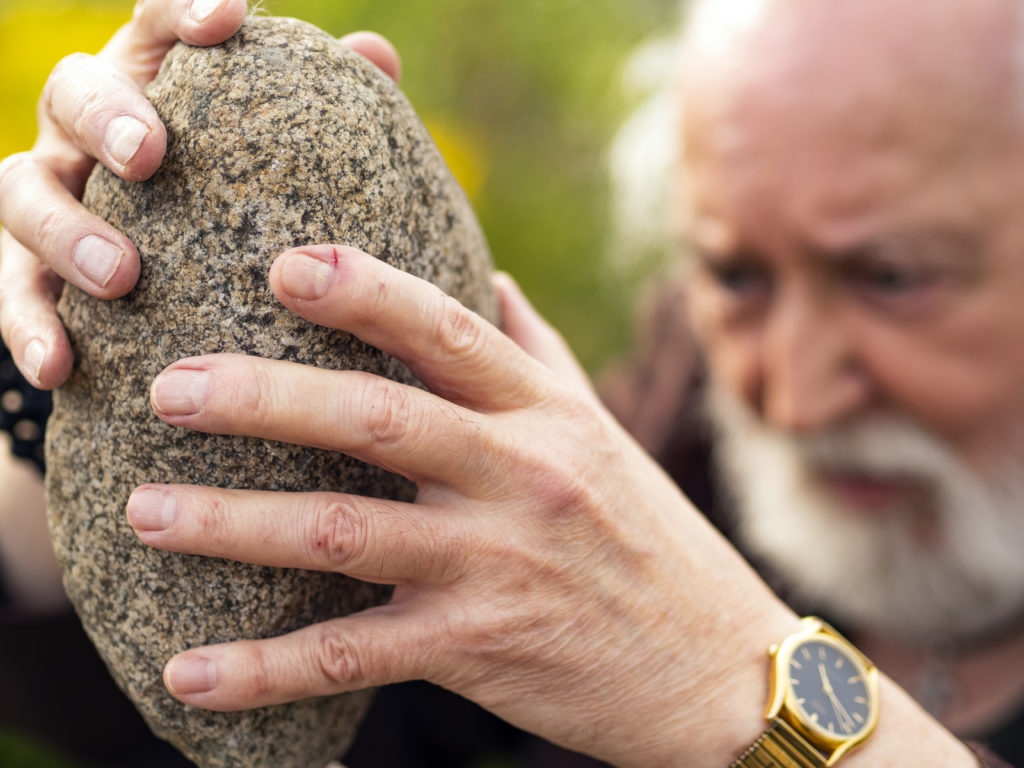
(967, 579)
(881, 445)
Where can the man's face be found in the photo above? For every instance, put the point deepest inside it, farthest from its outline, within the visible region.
(860, 297)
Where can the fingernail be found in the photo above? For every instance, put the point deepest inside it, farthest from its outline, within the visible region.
(35, 356)
(97, 259)
(124, 136)
(201, 10)
(180, 392)
(305, 277)
(151, 510)
(190, 674)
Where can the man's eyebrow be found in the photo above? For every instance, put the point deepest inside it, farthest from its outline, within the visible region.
(951, 245)
(706, 235)
(720, 250)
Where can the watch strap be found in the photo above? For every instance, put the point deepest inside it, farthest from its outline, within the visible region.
(780, 746)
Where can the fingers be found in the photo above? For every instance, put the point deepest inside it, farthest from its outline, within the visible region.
(378, 50)
(95, 103)
(394, 426)
(368, 539)
(537, 338)
(139, 47)
(371, 648)
(105, 114)
(456, 353)
(28, 318)
(44, 217)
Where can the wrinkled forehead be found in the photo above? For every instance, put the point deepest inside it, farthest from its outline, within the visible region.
(818, 84)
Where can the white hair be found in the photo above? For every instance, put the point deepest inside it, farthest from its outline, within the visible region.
(643, 156)
(649, 206)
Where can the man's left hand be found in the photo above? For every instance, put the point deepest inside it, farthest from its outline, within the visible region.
(548, 569)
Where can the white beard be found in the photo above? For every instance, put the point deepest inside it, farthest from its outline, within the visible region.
(963, 580)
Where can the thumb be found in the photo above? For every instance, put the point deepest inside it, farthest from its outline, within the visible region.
(139, 46)
(524, 325)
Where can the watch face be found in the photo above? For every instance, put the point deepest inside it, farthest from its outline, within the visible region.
(829, 689)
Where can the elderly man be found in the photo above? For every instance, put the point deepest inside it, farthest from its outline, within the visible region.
(851, 172)
(853, 180)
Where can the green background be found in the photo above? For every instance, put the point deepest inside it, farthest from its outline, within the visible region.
(523, 98)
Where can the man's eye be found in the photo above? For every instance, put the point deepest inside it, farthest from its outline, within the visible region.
(888, 280)
(741, 280)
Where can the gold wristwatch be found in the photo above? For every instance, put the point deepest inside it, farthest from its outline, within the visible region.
(823, 701)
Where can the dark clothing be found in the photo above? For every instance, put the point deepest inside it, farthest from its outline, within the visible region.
(23, 411)
(48, 665)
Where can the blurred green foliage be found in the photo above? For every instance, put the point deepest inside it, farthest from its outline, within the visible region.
(18, 752)
(522, 97)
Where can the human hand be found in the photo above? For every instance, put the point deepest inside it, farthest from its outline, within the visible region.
(547, 570)
(29, 571)
(93, 108)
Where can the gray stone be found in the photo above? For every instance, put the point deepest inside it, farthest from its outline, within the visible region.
(280, 137)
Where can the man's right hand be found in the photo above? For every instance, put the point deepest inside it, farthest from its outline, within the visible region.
(93, 109)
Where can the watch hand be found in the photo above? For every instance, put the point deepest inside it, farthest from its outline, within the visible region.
(825, 682)
(845, 722)
(844, 717)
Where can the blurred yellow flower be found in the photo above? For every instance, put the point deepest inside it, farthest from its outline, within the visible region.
(463, 151)
(32, 40)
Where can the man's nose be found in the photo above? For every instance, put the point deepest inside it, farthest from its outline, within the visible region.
(811, 375)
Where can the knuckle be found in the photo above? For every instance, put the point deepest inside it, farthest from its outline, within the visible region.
(565, 492)
(141, 6)
(258, 681)
(11, 168)
(341, 534)
(255, 394)
(47, 228)
(371, 302)
(64, 69)
(90, 113)
(457, 330)
(214, 521)
(67, 70)
(78, 96)
(17, 328)
(338, 660)
(581, 411)
(388, 412)
(562, 486)
(73, 62)
(442, 559)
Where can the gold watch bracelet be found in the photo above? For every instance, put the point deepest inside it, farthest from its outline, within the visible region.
(780, 746)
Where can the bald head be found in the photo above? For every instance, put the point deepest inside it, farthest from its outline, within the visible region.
(797, 91)
(875, 67)
(857, 48)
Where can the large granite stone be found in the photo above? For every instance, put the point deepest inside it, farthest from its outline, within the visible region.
(280, 137)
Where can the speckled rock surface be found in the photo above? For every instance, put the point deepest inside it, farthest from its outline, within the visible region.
(280, 137)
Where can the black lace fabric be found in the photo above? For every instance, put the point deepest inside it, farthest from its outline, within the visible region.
(23, 411)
